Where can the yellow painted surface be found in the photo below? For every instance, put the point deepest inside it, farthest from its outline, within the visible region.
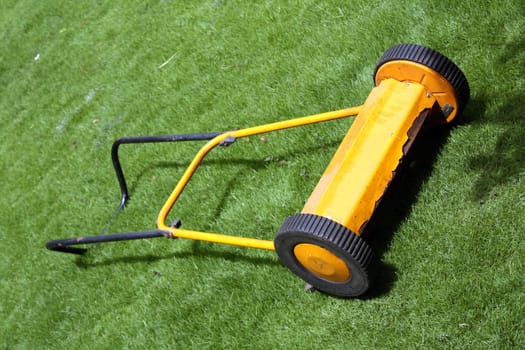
(366, 159)
(221, 238)
(321, 262)
(434, 83)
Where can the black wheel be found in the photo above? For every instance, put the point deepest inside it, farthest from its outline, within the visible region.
(443, 79)
(325, 254)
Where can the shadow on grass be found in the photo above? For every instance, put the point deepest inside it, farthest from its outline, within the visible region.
(396, 203)
(197, 250)
(505, 163)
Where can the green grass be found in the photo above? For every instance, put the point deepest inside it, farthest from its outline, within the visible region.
(76, 76)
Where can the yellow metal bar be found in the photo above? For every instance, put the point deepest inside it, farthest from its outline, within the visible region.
(227, 239)
(365, 162)
(221, 238)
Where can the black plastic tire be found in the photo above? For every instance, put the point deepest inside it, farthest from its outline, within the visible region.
(338, 240)
(433, 60)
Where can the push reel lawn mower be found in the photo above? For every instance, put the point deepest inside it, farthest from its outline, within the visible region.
(414, 85)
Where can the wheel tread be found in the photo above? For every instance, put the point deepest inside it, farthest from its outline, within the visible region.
(332, 232)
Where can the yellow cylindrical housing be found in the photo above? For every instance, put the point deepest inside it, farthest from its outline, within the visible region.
(368, 156)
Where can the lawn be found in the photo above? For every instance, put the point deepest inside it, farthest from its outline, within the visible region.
(74, 76)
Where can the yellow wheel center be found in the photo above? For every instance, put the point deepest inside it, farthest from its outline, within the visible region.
(321, 262)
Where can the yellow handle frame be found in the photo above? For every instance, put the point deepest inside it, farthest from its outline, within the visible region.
(224, 138)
